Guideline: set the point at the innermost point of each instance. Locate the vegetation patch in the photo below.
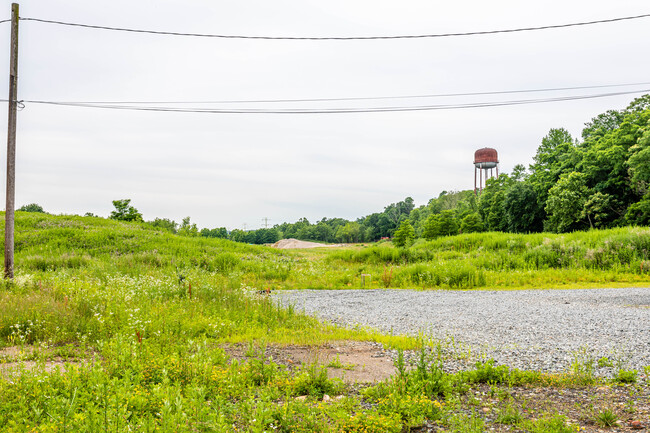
(117, 326)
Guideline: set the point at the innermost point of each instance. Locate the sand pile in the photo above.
(286, 244)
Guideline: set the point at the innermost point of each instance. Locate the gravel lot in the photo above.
(531, 329)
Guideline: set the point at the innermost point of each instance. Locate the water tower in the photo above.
(485, 160)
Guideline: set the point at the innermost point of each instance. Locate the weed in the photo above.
(626, 376)
(550, 424)
(605, 362)
(387, 276)
(487, 372)
(606, 418)
(400, 365)
(582, 367)
(509, 415)
(313, 381)
(462, 423)
(630, 406)
(336, 363)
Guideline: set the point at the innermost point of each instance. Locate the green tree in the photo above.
(237, 235)
(602, 124)
(267, 236)
(496, 219)
(491, 202)
(471, 223)
(431, 229)
(521, 209)
(32, 207)
(220, 233)
(164, 224)
(555, 156)
(404, 235)
(519, 173)
(393, 215)
(596, 209)
(614, 163)
(125, 212)
(188, 229)
(348, 233)
(639, 163)
(303, 229)
(566, 201)
(447, 225)
(639, 212)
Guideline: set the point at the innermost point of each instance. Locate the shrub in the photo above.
(626, 376)
(313, 381)
(32, 207)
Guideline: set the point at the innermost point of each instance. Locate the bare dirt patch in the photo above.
(351, 361)
(14, 359)
(289, 244)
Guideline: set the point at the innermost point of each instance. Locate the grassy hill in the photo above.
(137, 319)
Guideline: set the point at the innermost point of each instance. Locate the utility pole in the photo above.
(11, 146)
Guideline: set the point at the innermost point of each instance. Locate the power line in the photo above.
(334, 110)
(331, 38)
(363, 98)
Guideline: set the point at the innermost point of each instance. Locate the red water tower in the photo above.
(485, 160)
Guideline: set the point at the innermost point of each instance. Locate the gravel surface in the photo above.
(543, 330)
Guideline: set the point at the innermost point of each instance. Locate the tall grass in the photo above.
(501, 260)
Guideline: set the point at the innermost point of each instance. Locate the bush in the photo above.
(405, 235)
(626, 376)
(313, 381)
(32, 207)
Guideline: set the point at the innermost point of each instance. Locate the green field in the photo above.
(112, 326)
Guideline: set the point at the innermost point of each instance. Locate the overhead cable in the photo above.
(331, 110)
(335, 38)
(365, 98)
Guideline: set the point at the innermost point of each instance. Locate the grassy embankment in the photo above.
(599, 258)
(142, 316)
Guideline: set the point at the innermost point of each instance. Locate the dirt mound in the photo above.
(286, 244)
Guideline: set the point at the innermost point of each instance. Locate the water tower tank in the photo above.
(486, 158)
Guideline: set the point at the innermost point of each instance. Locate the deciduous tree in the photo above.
(32, 207)
(566, 202)
(125, 212)
(404, 235)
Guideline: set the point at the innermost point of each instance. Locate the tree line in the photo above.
(599, 181)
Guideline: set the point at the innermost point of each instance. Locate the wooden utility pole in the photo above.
(11, 146)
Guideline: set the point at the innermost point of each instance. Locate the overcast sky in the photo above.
(236, 169)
